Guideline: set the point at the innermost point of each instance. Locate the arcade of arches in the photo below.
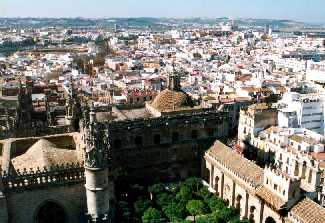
(247, 188)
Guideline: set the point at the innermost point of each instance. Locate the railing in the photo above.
(70, 173)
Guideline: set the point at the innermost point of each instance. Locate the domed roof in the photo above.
(168, 100)
(44, 154)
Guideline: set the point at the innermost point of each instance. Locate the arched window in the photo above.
(304, 168)
(156, 139)
(216, 185)
(251, 214)
(270, 220)
(175, 137)
(138, 141)
(238, 200)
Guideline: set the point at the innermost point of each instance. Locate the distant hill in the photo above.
(144, 22)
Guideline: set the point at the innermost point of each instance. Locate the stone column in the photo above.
(96, 172)
(211, 177)
(3, 208)
(233, 194)
(222, 184)
(246, 205)
(262, 212)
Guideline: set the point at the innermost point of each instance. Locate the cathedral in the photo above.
(68, 177)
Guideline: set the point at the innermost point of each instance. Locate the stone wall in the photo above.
(23, 206)
(169, 150)
(3, 209)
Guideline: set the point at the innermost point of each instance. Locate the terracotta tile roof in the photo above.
(44, 154)
(270, 198)
(308, 211)
(236, 163)
(171, 100)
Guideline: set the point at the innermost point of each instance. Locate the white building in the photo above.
(315, 71)
(302, 111)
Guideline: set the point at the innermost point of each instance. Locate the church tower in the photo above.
(73, 109)
(25, 107)
(96, 171)
(173, 81)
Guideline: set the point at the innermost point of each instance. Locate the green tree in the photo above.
(210, 218)
(228, 214)
(195, 184)
(184, 194)
(140, 206)
(152, 215)
(174, 211)
(174, 187)
(125, 210)
(204, 193)
(216, 204)
(237, 220)
(164, 199)
(156, 189)
(195, 207)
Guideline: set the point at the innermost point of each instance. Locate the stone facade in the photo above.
(24, 206)
(23, 192)
(260, 195)
(71, 174)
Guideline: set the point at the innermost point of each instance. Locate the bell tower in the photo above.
(173, 81)
(25, 107)
(73, 108)
(96, 171)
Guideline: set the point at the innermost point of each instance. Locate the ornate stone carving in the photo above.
(97, 146)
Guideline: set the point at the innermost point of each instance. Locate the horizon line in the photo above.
(160, 17)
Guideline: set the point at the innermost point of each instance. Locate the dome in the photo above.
(171, 100)
(44, 154)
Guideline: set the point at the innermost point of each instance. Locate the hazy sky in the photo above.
(303, 10)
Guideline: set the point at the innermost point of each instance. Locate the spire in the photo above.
(96, 170)
(173, 81)
(72, 89)
(97, 145)
(20, 89)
